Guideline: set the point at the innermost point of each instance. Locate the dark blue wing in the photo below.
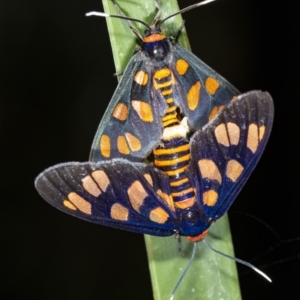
(116, 193)
(225, 153)
(131, 126)
(193, 75)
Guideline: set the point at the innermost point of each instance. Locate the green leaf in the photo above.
(211, 276)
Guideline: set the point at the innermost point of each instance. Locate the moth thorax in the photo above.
(157, 48)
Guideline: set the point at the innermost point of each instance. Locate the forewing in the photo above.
(115, 193)
(131, 126)
(225, 153)
(200, 92)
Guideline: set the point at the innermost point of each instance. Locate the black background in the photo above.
(56, 80)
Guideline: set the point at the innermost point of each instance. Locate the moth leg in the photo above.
(118, 74)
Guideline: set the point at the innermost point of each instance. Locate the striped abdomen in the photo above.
(173, 158)
(173, 155)
(163, 81)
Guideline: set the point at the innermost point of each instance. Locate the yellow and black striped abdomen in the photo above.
(173, 159)
(163, 81)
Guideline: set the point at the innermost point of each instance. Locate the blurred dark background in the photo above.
(56, 81)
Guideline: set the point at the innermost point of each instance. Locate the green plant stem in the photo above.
(210, 276)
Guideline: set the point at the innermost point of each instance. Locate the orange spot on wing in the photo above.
(119, 212)
(209, 170)
(105, 145)
(234, 133)
(221, 135)
(262, 130)
(121, 112)
(234, 170)
(181, 66)
(90, 186)
(211, 85)
(141, 78)
(133, 142)
(252, 138)
(122, 145)
(80, 203)
(193, 96)
(167, 198)
(213, 113)
(101, 179)
(143, 109)
(210, 197)
(69, 205)
(148, 178)
(158, 215)
(137, 194)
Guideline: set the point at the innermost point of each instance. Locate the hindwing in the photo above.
(225, 153)
(115, 193)
(136, 196)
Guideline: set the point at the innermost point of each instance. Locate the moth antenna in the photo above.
(238, 260)
(184, 271)
(158, 15)
(186, 9)
(118, 9)
(105, 15)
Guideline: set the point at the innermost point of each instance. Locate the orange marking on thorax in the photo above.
(154, 38)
